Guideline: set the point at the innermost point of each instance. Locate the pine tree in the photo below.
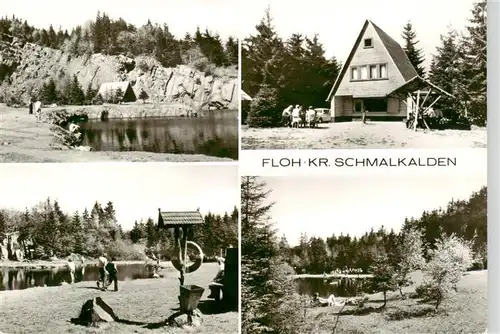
(231, 52)
(267, 287)
(264, 108)
(258, 247)
(77, 96)
(49, 93)
(474, 64)
(414, 54)
(447, 74)
(118, 96)
(263, 57)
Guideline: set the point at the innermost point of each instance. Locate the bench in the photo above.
(215, 291)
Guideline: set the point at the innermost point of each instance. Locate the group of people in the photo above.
(107, 271)
(298, 117)
(36, 108)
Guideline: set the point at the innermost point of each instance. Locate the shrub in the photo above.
(264, 109)
(449, 261)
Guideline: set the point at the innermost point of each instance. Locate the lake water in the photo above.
(340, 288)
(19, 279)
(214, 134)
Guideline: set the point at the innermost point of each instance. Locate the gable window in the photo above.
(364, 72)
(383, 71)
(368, 43)
(354, 73)
(369, 72)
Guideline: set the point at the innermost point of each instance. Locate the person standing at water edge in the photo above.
(103, 261)
(72, 269)
(112, 274)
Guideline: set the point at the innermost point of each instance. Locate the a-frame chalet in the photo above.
(379, 79)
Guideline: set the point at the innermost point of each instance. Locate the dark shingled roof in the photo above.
(179, 218)
(397, 54)
(395, 51)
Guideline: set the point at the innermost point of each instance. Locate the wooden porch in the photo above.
(422, 95)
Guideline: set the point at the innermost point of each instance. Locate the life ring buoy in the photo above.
(197, 262)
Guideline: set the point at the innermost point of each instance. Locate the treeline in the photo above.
(218, 232)
(466, 219)
(441, 243)
(278, 73)
(45, 230)
(114, 37)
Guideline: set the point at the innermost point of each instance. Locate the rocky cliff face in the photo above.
(32, 65)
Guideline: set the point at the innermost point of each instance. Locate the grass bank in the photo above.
(22, 139)
(142, 304)
(355, 135)
(466, 312)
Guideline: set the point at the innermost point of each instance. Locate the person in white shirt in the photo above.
(103, 261)
(311, 117)
(286, 116)
(72, 269)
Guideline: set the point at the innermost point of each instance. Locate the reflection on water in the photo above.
(18, 279)
(214, 134)
(340, 288)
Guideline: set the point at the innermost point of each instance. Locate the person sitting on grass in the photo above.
(330, 301)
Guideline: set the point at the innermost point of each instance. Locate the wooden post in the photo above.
(426, 96)
(184, 242)
(417, 107)
(178, 244)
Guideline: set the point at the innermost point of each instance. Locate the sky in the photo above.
(338, 23)
(322, 206)
(137, 190)
(181, 15)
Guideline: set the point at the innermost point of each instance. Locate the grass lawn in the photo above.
(352, 135)
(142, 304)
(22, 139)
(466, 312)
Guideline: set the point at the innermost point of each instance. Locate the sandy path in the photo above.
(24, 140)
(355, 135)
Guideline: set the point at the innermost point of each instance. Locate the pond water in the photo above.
(19, 279)
(214, 134)
(340, 288)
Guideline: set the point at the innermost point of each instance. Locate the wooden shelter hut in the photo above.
(109, 92)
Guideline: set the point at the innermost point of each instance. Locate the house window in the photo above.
(370, 105)
(375, 104)
(364, 72)
(358, 105)
(383, 71)
(368, 43)
(354, 73)
(369, 72)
